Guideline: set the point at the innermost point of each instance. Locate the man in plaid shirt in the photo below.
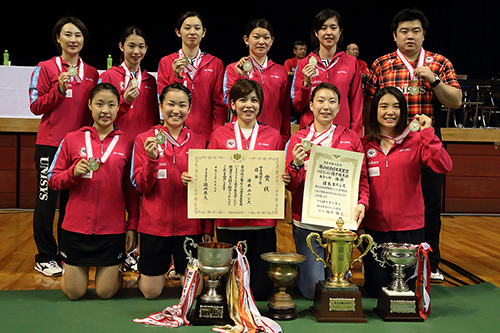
(428, 81)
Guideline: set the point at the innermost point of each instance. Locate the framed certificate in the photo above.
(331, 187)
(236, 184)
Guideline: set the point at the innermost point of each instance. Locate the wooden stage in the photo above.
(471, 242)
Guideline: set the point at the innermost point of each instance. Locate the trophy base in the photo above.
(210, 313)
(337, 305)
(282, 313)
(398, 306)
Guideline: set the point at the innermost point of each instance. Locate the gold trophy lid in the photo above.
(339, 232)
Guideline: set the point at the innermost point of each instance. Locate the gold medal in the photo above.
(414, 89)
(313, 61)
(72, 71)
(186, 62)
(306, 144)
(414, 126)
(247, 66)
(160, 138)
(94, 164)
(134, 82)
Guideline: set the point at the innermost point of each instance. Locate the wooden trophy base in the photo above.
(398, 306)
(210, 313)
(337, 305)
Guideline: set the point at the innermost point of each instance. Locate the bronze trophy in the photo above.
(397, 302)
(215, 260)
(337, 299)
(283, 272)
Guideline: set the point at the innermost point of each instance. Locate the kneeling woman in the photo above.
(394, 157)
(246, 98)
(323, 131)
(94, 163)
(159, 161)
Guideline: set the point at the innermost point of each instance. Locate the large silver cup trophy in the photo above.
(215, 261)
(396, 301)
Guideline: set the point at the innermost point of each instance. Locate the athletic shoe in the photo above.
(131, 262)
(50, 268)
(437, 276)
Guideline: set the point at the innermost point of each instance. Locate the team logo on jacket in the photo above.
(429, 59)
(83, 152)
(122, 85)
(371, 153)
(230, 143)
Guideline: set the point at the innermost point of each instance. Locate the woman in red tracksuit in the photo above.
(200, 72)
(61, 98)
(273, 78)
(138, 102)
(159, 168)
(94, 163)
(394, 161)
(246, 133)
(329, 64)
(323, 131)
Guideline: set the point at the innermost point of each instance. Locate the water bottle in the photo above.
(110, 62)
(6, 58)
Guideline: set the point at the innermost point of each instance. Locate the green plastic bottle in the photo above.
(6, 58)
(110, 62)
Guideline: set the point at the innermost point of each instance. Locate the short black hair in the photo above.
(409, 14)
(298, 43)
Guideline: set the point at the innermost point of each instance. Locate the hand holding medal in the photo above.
(63, 82)
(423, 122)
(81, 168)
(151, 147)
(243, 66)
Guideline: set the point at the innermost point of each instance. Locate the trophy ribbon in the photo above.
(409, 128)
(107, 153)
(191, 68)
(242, 307)
(78, 77)
(423, 250)
(177, 315)
(129, 76)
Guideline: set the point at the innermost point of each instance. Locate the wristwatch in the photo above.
(436, 82)
(295, 167)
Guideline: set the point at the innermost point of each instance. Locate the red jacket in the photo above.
(267, 139)
(342, 139)
(164, 204)
(61, 114)
(96, 205)
(346, 76)
(276, 86)
(208, 110)
(396, 201)
(140, 115)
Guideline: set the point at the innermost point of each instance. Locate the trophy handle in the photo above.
(373, 250)
(309, 245)
(368, 247)
(193, 244)
(242, 244)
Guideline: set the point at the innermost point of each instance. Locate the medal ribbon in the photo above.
(78, 78)
(190, 69)
(253, 136)
(128, 76)
(320, 138)
(424, 268)
(177, 315)
(107, 153)
(256, 65)
(400, 137)
(420, 63)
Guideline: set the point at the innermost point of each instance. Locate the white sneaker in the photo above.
(50, 268)
(437, 276)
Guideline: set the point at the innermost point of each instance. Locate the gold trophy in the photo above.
(215, 261)
(282, 271)
(337, 299)
(397, 302)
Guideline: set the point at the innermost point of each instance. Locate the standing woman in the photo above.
(138, 102)
(59, 91)
(273, 78)
(159, 168)
(329, 64)
(395, 156)
(246, 133)
(200, 72)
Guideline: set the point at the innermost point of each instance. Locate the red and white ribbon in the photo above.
(128, 76)
(321, 137)
(253, 136)
(400, 137)
(423, 268)
(256, 65)
(79, 77)
(191, 68)
(407, 63)
(177, 315)
(107, 153)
